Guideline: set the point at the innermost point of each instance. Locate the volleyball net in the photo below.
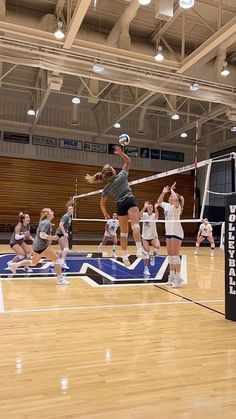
(204, 170)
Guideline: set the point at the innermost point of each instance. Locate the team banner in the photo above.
(132, 151)
(71, 144)
(230, 258)
(155, 154)
(44, 141)
(13, 137)
(172, 155)
(111, 148)
(144, 153)
(95, 147)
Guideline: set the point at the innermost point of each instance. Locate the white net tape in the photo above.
(208, 163)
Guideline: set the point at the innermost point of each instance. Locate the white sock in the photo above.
(172, 274)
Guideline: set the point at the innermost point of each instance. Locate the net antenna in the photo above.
(197, 140)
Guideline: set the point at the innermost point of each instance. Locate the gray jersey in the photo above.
(118, 188)
(43, 227)
(66, 220)
(23, 229)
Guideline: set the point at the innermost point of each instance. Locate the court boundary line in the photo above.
(100, 307)
(190, 300)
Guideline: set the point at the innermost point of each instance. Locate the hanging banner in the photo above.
(13, 137)
(44, 141)
(230, 258)
(155, 154)
(132, 151)
(172, 155)
(144, 153)
(71, 144)
(95, 147)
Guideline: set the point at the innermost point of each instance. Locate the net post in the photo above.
(230, 260)
(205, 189)
(233, 163)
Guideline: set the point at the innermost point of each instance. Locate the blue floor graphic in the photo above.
(96, 269)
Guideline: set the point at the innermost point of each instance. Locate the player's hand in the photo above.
(107, 217)
(27, 234)
(54, 238)
(156, 205)
(66, 235)
(173, 186)
(166, 189)
(146, 204)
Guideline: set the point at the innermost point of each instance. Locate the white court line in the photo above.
(47, 309)
(207, 267)
(2, 310)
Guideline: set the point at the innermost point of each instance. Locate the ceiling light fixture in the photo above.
(144, 2)
(159, 56)
(117, 125)
(59, 34)
(183, 134)
(186, 4)
(175, 116)
(194, 86)
(31, 111)
(97, 68)
(225, 71)
(76, 100)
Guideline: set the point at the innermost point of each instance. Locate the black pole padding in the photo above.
(233, 163)
(230, 258)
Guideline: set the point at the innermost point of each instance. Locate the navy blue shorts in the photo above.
(124, 206)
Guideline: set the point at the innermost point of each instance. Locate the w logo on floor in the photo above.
(98, 271)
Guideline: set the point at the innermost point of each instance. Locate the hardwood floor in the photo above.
(142, 352)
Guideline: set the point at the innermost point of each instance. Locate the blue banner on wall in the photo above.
(144, 153)
(111, 148)
(172, 155)
(44, 141)
(155, 154)
(13, 137)
(71, 144)
(95, 147)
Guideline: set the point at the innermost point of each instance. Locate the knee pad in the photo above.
(124, 235)
(170, 260)
(66, 249)
(21, 257)
(137, 226)
(176, 260)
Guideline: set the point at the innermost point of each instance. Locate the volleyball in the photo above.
(124, 139)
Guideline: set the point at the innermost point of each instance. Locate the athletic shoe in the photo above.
(152, 260)
(146, 272)
(114, 256)
(141, 253)
(27, 269)
(99, 249)
(171, 281)
(126, 261)
(64, 265)
(177, 283)
(62, 281)
(8, 264)
(13, 267)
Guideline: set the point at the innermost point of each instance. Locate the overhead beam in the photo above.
(127, 112)
(213, 42)
(214, 114)
(59, 7)
(167, 25)
(76, 21)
